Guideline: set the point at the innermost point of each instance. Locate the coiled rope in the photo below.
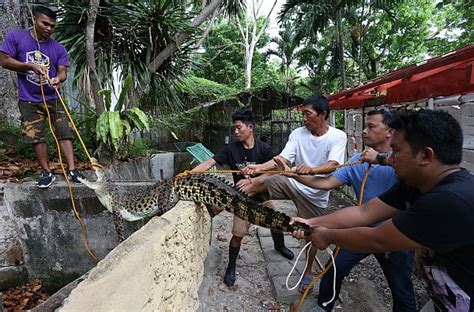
(333, 254)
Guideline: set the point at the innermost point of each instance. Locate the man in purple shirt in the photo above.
(34, 55)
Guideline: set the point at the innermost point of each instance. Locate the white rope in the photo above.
(329, 251)
(294, 266)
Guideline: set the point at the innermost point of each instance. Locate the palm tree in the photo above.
(287, 50)
(12, 15)
(315, 16)
(138, 37)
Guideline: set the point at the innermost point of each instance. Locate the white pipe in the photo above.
(447, 101)
(466, 98)
(431, 103)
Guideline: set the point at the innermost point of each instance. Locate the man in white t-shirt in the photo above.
(316, 144)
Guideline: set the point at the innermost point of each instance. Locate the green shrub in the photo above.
(138, 147)
(12, 142)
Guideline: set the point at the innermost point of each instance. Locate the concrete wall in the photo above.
(143, 169)
(464, 114)
(50, 236)
(159, 268)
(12, 269)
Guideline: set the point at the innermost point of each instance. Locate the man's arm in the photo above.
(303, 175)
(204, 165)
(269, 165)
(369, 213)
(321, 183)
(370, 156)
(61, 76)
(8, 62)
(385, 237)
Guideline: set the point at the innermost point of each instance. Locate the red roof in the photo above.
(446, 75)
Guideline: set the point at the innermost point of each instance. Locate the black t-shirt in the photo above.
(442, 220)
(235, 154)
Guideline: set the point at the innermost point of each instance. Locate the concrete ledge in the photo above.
(159, 268)
(46, 235)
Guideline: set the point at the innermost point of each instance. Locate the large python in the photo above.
(207, 189)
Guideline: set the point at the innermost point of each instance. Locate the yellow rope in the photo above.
(76, 213)
(91, 160)
(58, 147)
(336, 251)
(317, 170)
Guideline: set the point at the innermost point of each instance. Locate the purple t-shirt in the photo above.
(20, 45)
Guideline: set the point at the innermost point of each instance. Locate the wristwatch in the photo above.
(381, 158)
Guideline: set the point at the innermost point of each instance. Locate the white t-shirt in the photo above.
(304, 148)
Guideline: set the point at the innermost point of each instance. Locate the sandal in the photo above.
(305, 283)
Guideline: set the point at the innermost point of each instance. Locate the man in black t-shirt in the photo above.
(246, 150)
(431, 209)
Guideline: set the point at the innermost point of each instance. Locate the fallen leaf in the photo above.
(220, 238)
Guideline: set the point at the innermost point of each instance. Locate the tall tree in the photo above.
(316, 16)
(151, 39)
(251, 31)
(287, 49)
(378, 36)
(93, 90)
(12, 15)
(222, 59)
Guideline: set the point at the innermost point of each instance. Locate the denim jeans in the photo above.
(397, 267)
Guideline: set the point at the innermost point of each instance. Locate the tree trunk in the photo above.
(93, 93)
(251, 38)
(11, 16)
(182, 37)
(340, 47)
(248, 70)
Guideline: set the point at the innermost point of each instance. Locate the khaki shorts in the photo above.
(280, 187)
(240, 228)
(34, 119)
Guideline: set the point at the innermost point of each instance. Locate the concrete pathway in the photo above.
(278, 267)
(357, 295)
(262, 272)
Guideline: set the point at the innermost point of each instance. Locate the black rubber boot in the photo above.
(279, 244)
(229, 277)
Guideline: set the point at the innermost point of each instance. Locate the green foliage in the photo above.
(193, 90)
(12, 143)
(15, 146)
(85, 124)
(114, 127)
(139, 147)
(128, 35)
(339, 120)
(378, 36)
(180, 123)
(223, 59)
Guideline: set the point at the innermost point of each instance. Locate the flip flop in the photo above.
(305, 283)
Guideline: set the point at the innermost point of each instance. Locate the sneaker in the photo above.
(74, 175)
(47, 178)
